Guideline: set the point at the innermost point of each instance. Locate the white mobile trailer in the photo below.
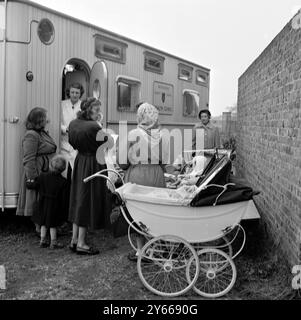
(42, 51)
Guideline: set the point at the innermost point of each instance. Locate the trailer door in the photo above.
(98, 87)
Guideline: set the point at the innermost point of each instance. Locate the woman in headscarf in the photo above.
(147, 151)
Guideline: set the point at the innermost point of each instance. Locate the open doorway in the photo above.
(75, 70)
(94, 81)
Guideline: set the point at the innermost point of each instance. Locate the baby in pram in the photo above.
(186, 173)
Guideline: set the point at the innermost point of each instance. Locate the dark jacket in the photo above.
(38, 147)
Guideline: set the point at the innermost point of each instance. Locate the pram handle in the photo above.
(219, 186)
(100, 175)
(200, 150)
(96, 175)
(102, 171)
(114, 171)
(228, 152)
(91, 177)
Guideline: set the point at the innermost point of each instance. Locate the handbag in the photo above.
(32, 184)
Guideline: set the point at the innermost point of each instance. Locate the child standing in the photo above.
(53, 201)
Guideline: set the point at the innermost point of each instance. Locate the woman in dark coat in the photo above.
(38, 147)
(87, 200)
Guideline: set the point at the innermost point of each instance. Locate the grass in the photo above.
(35, 273)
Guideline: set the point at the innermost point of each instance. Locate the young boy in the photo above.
(53, 201)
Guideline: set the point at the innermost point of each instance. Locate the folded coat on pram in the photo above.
(234, 193)
(230, 189)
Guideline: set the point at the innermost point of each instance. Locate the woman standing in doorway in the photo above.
(69, 109)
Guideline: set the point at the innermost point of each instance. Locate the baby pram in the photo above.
(188, 243)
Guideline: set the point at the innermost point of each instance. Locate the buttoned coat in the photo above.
(210, 134)
(38, 147)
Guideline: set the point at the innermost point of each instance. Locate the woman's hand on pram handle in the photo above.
(110, 186)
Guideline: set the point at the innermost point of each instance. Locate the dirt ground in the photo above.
(36, 273)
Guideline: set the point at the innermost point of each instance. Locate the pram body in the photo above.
(169, 216)
(183, 243)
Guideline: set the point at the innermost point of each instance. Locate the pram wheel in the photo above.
(217, 273)
(168, 265)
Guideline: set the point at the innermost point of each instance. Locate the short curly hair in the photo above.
(86, 108)
(36, 119)
(205, 111)
(58, 164)
(75, 85)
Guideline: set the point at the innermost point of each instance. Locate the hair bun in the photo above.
(85, 104)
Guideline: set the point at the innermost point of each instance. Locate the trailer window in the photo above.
(185, 72)
(153, 62)
(191, 100)
(110, 49)
(201, 78)
(96, 89)
(46, 31)
(128, 94)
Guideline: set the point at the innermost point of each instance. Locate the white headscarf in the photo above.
(150, 133)
(148, 121)
(147, 116)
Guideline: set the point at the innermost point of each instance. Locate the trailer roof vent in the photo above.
(153, 62)
(202, 78)
(185, 72)
(110, 49)
(46, 31)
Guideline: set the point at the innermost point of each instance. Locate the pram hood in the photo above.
(216, 175)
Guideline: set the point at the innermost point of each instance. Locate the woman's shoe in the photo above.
(37, 234)
(83, 251)
(56, 245)
(44, 244)
(72, 247)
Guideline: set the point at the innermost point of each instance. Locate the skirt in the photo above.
(88, 201)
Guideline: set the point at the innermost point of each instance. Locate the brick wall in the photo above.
(228, 130)
(227, 125)
(269, 137)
